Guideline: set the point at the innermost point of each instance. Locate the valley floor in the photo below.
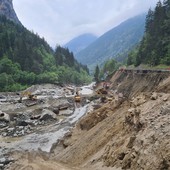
(129, 130)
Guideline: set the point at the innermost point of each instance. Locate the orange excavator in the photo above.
(77, 97)
(29, 96)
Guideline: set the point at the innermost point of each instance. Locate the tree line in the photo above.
(27, 59)
(154, 48)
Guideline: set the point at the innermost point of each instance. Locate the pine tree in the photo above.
(96, 74)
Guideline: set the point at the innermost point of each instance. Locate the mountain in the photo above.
(81, 42)
(6, 9)
(27, 59)
(114, 42)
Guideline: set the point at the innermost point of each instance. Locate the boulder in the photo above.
(47, 115)
(22, 123)
(4, 117)
(154, 96)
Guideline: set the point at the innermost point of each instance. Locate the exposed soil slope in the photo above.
(130, 132)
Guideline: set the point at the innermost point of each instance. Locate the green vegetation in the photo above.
(115, 43)
(27, 59)
(154, 48)
(107, 69)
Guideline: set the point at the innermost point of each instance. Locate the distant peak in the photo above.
(6, 9)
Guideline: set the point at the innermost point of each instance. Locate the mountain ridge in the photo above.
(116, 41)
(6, 9)
(80, 42)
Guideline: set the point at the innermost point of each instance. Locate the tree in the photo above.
(96, 74)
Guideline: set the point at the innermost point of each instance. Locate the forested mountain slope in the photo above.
(116, 41)
(27, 59)
(154, 48)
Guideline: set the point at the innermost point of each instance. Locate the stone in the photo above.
(4, 117)
(130, 142)
(154, 96)
(47, 115)
(1, 165)
(22, 123)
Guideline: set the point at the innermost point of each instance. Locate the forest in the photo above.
(154, 48)
(27, 59)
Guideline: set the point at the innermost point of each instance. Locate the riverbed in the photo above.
(42, 135)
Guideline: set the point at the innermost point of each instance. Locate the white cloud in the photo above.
(58, 21)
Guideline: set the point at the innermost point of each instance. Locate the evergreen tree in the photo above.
(96, 74)
(155, 46)
(26, 59)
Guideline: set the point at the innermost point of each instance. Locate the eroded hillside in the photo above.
(128, 132)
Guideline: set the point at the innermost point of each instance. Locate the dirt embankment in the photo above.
(129, 132)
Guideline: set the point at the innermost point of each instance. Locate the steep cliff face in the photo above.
(6, 9)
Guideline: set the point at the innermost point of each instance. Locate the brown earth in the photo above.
(127, 132)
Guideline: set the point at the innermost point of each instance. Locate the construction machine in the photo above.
(77, 97)
(27, 94)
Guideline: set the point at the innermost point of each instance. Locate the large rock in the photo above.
(47, 115)
(6, 8)
(4, 117)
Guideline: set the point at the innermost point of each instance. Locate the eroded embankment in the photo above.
(132, 83)
(129, 132)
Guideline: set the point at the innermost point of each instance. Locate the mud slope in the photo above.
(129, 132)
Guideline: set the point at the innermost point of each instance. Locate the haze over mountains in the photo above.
(81, 42)
(115, 42)
(90, 50)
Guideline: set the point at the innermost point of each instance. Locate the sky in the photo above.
(59, 21)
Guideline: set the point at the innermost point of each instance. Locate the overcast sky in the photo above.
(59, 21)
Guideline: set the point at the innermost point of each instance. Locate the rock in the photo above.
(4, 117)
(56, 110)
(3, 124)
(121, 156)
(10, 129)
(22, 123)
(154, 96)
(131, 110)
(4, 134)
(130, 142)
(126, 164)
(1, 165)
(35, 117)
(15, 135)
(47, 115)
(165, 110)
(5, 161)
(165, 99)
(138, 101)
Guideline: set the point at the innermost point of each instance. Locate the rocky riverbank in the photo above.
(38, 124)
(125, 128)
(130, 131)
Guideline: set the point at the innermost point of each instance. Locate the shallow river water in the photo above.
(47, 135)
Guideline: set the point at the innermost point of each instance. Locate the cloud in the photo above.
(58, 21)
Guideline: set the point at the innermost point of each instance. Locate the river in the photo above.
(45, 136)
